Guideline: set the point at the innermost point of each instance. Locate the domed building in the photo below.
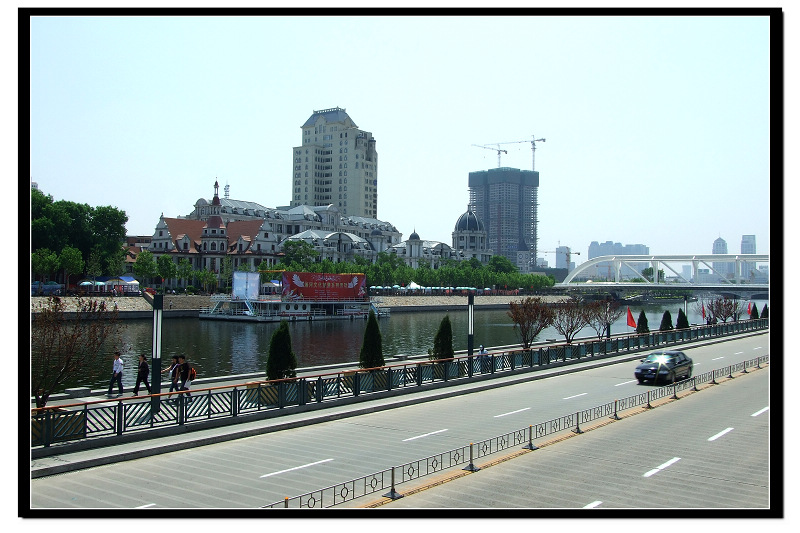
(470, 238)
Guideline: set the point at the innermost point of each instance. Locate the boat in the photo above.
(303, 296)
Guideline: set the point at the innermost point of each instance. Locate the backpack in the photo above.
(192, 373)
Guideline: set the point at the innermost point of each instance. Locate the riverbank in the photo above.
(181, 302)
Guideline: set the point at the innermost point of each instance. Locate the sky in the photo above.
(657, 128)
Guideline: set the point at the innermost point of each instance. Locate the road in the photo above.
(262, 469)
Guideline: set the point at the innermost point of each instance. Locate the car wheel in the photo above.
(640, 381)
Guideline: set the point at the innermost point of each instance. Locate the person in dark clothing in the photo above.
(184, 376)
(142, 376)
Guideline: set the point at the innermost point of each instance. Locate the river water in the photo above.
(219, 348)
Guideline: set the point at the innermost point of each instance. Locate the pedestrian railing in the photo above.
(107, 418)
(522, 438)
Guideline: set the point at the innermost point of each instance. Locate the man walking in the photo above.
(142, 376)
(184, 373)
(116, 375)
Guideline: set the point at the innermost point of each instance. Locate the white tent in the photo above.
(413, 286)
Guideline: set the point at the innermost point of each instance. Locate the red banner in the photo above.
(332, 287)
(631, 321)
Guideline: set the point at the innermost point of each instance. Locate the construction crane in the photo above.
(568, 253)
(533, 148)
(498, 150)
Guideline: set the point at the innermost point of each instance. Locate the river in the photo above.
(223, 348)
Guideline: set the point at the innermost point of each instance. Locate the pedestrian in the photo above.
(483, 357)
(116, 375)
(184, 375)
(142, 376)
(173, 375)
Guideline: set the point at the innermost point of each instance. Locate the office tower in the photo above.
(336, 164)
(505, 199)
(748, 244)
(723, 269)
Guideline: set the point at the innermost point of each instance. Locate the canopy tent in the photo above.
(122, 280)
(414, 286)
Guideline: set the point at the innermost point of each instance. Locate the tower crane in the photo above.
(498, 150)
(568, 253)
(533, 142)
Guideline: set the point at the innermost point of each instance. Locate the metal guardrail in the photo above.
(523, 438)
(108, 418)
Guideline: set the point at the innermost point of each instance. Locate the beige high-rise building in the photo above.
(336, 164)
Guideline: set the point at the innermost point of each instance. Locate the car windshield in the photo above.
(661, 358)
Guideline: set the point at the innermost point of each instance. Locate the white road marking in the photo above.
(625, 382)
(738, 353)
(512, 412)
(757, 348)
(592, 505)
(145, 506)
(761, 411)
(425, 435)
(570, 397)
(662, 467)
(716, 358)
(718, 435)
(297, 467)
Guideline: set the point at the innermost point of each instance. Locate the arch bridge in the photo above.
(736, 275)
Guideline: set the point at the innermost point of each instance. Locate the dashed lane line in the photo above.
(297, 467)
(718, 435)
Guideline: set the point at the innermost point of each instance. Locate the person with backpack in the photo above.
(142, 376)
(187, 374)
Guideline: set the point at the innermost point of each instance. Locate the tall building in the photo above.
(605, 270)
(749, 270)
(335, 155)
(506, 200)
(723, 269)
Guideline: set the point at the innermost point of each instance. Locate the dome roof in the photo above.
(469, 221)
(376, 231)
(414, 237)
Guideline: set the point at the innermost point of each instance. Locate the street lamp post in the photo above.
(470, 331)
(158, 310)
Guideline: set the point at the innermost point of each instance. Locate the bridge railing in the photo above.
(244, 401)
(522, 438)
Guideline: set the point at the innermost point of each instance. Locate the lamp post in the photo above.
(470, 331)
(158, 310)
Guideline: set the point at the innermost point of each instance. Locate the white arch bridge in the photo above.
(736, 274)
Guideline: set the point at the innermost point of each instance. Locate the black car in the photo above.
(667, 366)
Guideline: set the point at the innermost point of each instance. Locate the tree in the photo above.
(765, 312)
(300, 253)
(115, 262)
(184, 270)
(43, 263)
(683, 321)
(443, 341)
(501, 264)
(648, 274)
(145, 266)
(71, 262)
(207, 279)
(94, 267)
(601, 315)
(754, 313)
(226, 271)
(281, 361)
(371, 355)
(641, 324)
(165, 267)
(666, 322)
(570, 317)
(61, 348)
(108, 230)
(530, 316)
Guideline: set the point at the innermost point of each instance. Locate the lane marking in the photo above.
(716, 358)
(570, 397)
(625, 382)
(738, 353)
(145, 506)
(592, 505)
(761, 411)
(425, 435)
(512, 412)
(718, 435)
(662, 467)
(757, 348)
(297, 467)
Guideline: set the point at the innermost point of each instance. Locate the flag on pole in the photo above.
(631, 321)
(704, 311)
(748, 307)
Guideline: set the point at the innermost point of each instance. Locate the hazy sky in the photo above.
(657, 128)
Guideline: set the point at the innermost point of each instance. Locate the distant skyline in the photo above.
(657, 128)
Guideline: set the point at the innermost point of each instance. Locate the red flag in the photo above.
(704, 311)
(631, 321)
(748, 307)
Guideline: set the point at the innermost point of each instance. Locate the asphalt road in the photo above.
(258, 470)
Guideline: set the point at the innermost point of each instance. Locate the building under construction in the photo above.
(506, 200)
